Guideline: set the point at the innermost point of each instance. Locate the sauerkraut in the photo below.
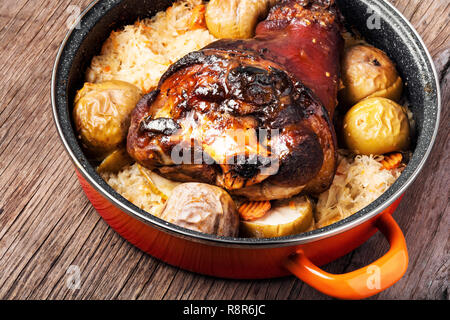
(142, 52)
(133, 186)
(358, 181)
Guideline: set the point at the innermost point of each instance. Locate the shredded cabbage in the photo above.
(142, 52)
(357, 183)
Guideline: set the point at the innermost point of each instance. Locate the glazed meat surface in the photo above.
(251, 116)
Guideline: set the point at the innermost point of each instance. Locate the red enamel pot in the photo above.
(244, 258)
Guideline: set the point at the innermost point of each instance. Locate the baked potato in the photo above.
(102, 115)
(235, 19)
(202, 207)
(376, 126)
(368, 72)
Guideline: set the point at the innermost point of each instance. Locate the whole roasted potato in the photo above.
(102, 115)
(368, 72)
(376, 126)
(202, 207)
(235, 19)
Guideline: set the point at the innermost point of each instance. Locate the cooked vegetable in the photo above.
(252, 210)
(102, 115)
(376, 126)
(368, 72)
(159, 185)
(134, 186)
(197, 20)
(328, 222)
(286, 217)
(392, 161)
(115, 161)
(204, 208)
(235, 19)
(358, 182)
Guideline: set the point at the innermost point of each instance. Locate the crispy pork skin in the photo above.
(251, 116)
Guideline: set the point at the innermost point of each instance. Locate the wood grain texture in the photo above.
(47, 224)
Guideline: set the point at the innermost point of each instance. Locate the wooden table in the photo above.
(48, 225)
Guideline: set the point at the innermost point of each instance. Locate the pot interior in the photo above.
(376, 20)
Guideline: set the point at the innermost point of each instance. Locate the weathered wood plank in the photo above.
(48, 225)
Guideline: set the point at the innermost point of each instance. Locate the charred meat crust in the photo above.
(246, 85)
(277, 99)
(190, 173)
(322, 12)
(303, 162)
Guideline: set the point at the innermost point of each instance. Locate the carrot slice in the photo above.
(252, 210)
(198, 18)
(392, 161)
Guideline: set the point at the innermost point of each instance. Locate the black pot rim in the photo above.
(373, 209)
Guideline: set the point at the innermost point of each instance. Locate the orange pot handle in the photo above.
(364, 282)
